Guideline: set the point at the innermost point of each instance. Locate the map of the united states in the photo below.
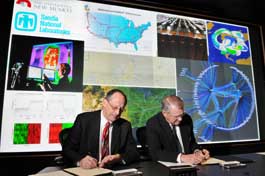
(115, 28)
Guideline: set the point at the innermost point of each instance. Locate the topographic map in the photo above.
(129, 70)
(142, 104)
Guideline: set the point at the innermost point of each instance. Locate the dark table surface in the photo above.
(255, 165)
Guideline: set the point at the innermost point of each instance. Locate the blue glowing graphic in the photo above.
(232, 42)
(223, 103)
(116, 29)
(228, 43)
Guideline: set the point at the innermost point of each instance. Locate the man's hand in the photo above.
(206, 154)
(197, 157)
(88, 162)
(191, 158)
(110, 159)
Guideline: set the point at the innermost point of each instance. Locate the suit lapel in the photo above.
(167, 129)
(116, 132)
(184, 137)
(95, 128)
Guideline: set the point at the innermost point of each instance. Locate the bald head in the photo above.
(113, 104)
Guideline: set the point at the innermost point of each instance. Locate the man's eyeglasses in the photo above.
(120, 109)
(177, 116)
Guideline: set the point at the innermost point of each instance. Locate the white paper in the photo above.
(117, 172)
(173, 164)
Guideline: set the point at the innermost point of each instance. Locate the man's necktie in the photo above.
(176, 137)
(105, 141)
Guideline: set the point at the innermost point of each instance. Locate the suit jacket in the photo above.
(160, 139)
(84, 139)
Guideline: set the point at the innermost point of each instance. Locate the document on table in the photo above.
(126, 172)
(84, 172)
(261, 153)
(53, 173)
(212, 160)
(173, 164)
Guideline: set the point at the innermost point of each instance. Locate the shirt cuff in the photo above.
(179, 158)
(123, 162)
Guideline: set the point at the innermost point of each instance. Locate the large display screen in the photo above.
(147, 54)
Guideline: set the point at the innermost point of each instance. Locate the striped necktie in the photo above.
(105, 141)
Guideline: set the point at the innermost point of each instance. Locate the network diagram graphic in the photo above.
(221, 104)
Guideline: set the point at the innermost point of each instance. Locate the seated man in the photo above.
(102, 138)
(170, 134)
(63, 84)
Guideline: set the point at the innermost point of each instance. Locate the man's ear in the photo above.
(104, 102)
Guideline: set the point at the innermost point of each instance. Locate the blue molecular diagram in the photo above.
(224, 103)
(228, 43)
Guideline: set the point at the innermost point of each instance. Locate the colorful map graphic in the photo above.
(143, 103)
(116, 29)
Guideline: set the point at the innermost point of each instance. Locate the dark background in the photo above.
(244, 12)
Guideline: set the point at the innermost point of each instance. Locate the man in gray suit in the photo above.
(170, 134)
(84, 146)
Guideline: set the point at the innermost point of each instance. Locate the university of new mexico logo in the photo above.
(27, 2)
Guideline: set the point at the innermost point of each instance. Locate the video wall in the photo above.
(65, 55)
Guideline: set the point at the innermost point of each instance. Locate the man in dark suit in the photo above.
(170, 134)
(84, 146)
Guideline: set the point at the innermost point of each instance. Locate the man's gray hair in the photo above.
(169, 100)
